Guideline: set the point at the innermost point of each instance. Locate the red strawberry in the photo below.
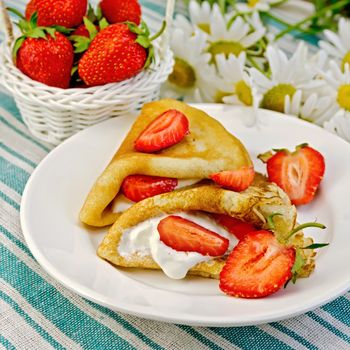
(82, 31)
(138, 187)
(186, 236)
(166, 130)
(43, 54)
(117, 11)
(117, 53)
(298, 173)
(236, 180)
(235, 226)
(257, 266)
(68, 13)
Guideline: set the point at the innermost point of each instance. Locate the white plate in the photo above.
(66, 249)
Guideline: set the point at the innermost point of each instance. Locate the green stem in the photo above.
(157, 35)
(306, 225)
(254, 64)
(319, 13)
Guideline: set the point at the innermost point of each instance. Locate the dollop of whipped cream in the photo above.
(122, 203)
(143, 240)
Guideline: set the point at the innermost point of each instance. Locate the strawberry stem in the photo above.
(270, 222)
(306, 225)
(160, 32)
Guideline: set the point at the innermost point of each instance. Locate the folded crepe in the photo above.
(209, 148)
(253, 205)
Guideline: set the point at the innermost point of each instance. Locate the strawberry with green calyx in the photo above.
(43, 53)
(262, 263)
(67, 13)
(117, 53)
(298, 173)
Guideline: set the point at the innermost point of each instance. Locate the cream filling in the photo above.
(121, 203)
(143, 240)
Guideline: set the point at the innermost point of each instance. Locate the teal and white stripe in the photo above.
(36, 312)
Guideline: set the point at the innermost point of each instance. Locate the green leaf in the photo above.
(33, 22)
(103, 24)
(150, 57)
(62, 29)
(143, 41)
(37, 33)
(24, 26)
(17, 46)
(99, 13)
(51, 31)
(145, 29)
(299, 261)
(74, 70)
(15, 11)
(91, 14)
(91, 28)
(81, 43)
(134, 28)
(316, 245)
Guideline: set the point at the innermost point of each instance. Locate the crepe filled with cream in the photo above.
(253, 205)
(208, 148)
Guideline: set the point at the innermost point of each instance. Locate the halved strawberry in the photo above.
(298, 173)
(166, 130)
(235, 226)
(186, 236)
(139, 187)
(236, 180)
(257, 266)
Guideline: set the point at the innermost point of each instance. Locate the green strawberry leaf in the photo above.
(51, 31)
(99, 13)
(91, 14)
(103, 23)
(150, 57)
(81, 43)
(62, 29)
(15, 11)
(145, 29)
(143, 41)
(91, 28)
(134, 28)
(316, 245)
(17, 46)
(33, 22)
(38, 33)
(74, 70)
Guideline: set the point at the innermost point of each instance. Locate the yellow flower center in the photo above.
(343, 97)
(219, 96)
(244, 93)
(345, 60)
(183, 74)
(274, 98)
(225, 47)
(252, 3)
(205, 27)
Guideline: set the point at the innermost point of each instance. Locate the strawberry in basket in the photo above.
(117, 53)
(68, 13)
(43, 53)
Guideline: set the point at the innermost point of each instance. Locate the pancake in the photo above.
(208, 149)
(253, 205)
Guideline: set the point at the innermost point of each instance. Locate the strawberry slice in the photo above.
(236, 180)
(298, 173)
(139, 187)
(258, 266)
(166, 130)
(235, 226)
(186, 236)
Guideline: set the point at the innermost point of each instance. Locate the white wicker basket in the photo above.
(54, 114)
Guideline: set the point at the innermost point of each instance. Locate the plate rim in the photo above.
(156, 315)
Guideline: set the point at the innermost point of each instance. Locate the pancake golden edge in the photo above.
(253, 205)
(198, 156)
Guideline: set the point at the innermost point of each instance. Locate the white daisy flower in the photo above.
(191, 68)
(338, 44)
(238, 37)
(256, 5)
(339, 82)
(291, 80)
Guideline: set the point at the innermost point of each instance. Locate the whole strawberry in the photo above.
(43, 54)
(117, 53)
(67, 13)
(117, 11)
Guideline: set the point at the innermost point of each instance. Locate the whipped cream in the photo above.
(143, 240)
(121, 203)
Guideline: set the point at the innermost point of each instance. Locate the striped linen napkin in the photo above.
(36, 312)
